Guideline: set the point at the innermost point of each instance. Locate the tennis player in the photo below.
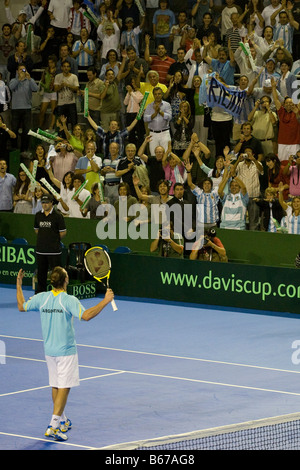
(57, 309)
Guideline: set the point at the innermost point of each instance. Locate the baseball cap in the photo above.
(46, 198)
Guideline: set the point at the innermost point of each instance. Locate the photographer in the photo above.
(62, 158)
(209, 248)
(168, 244)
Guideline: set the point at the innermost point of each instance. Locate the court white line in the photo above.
(21, 436)
(170, 377)
(169, 356)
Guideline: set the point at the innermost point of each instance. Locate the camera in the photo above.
(211, 233)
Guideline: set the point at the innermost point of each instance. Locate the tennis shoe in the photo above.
(65, 425)
(55, 434)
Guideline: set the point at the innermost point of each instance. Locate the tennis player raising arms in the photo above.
(57, 309)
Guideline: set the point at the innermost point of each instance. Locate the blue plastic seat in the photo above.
(20, 241)
(122, 249)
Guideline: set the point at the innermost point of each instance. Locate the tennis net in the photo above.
(276, 433)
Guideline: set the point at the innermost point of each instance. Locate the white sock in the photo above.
(63, 417)
(55, 421)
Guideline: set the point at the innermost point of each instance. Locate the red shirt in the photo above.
(289, 127)
(161, 66)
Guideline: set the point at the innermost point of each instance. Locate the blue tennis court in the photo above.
(148, 370)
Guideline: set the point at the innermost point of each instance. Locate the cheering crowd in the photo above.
(155, 102)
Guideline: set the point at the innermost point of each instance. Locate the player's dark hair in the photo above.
(58, 277)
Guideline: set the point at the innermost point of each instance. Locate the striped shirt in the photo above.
(207, 205)
(57, 311)
(234, 211)
(291, 222)
(84, 59)
(286, 33)
(250, 177)
(161, 66)
(131, 38)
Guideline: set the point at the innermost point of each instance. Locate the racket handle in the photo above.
(114, 306)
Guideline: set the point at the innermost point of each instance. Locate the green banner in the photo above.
(224, 284)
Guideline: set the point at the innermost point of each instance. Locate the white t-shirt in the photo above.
(60, 10)
(66, 95)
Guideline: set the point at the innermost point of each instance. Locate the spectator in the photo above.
(152, 81)
(66, 85)
(168, 243)
(77, 201)
(158, 115)
(284, 27)
(292, 171)
(291, 221)
(62, 159)
(271, 211)
(209, 248)
(94, 202)
(49, 95)
(22, 197)
(131, 36)
(222, 65)
(110, 96)
(248, 170)
(5, 135)
(154, 164)
(177, 32)
(108, 171)
(75, 138)
(22, 88)
(7, 184)
(277, 173)
(109, 34)
(234, 203)
(19, 57)
(65, 189)
(128, 165)
(163, 21)
(64, 54)
(135, 66)
(49, 46)
(286, 85)
(111, 63)
(207, 200)
(264, 125)
(174, 169)
(124, 202)
(59, 13)
(94, 86)
(132, 102)
(160, 62)
(184, 124)
(84, 50)
(7, 46)
(113, 134)
(89, 166)
(248, 140)
(289, 125)
(77, 20)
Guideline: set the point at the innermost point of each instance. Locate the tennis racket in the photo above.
(98, 265)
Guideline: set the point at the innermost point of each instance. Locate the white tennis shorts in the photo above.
(63, 371)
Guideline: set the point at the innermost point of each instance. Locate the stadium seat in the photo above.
(20, 241)
(3, 240)
(122, 249)
(75, 261)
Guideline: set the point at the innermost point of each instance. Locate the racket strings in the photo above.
(97, 263)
